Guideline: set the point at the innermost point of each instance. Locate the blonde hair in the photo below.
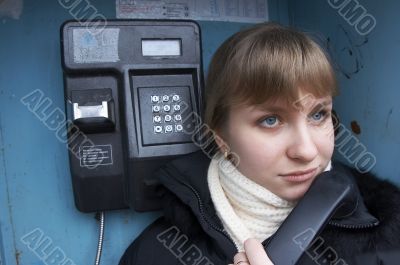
(265, 62)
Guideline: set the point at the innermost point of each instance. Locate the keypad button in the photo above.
(168, 128)
(167, 107)
(155, 99)
(158, 129)
(156, 108)
(178, 117)
(167, 118)
(157, 118)
(177, 108)
(165, 98)
(179, 127)
(175, 98)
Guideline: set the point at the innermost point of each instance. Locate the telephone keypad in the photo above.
(166, 110)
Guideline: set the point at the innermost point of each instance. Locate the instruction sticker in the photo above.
(92, 47)
(95, 155)
(248, 11)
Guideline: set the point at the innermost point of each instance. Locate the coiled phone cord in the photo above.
(100, 215)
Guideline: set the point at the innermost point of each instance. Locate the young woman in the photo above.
(268, 109)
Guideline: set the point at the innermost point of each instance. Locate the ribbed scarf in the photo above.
(246, 209)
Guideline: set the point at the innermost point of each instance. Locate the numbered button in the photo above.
(156, 108)
(155, 99)
(167, 107)
(179, 127)
(168, 128)
(158, 129)
(157, 118)
(177, 108)
(175, 98)
(165, 98)
(178, 117)
(167, 118)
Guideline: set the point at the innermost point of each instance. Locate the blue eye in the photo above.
(270, 121)
(319, 116)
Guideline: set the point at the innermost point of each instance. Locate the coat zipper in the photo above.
(363, 226)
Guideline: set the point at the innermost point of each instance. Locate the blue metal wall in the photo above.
(367, 65)
(36, 202)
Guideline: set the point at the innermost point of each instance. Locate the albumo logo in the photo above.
(355, 14)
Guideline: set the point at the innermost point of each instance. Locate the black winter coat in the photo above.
(190, 232)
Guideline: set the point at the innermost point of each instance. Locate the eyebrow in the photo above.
(323, 103)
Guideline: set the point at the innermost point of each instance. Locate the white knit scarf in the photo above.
(246, 209)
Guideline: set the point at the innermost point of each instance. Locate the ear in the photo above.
(220, 142)
(218, 138)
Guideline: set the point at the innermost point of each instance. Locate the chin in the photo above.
(295, 194)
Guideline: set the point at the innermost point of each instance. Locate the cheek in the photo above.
(255, 150)
(325, 140)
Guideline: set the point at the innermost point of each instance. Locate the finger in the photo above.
(240, 259)
(256, 253)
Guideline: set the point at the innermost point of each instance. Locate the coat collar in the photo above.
(360, 217)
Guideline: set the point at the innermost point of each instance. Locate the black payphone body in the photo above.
(133, 92)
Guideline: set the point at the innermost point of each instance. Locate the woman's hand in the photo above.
(254, 254)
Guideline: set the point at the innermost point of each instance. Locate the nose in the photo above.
(302, 146)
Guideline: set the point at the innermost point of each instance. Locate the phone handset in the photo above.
(332, 194)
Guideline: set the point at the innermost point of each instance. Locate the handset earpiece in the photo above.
(332, 194)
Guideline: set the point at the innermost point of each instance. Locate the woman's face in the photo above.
(281, 146)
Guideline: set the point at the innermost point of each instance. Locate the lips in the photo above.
(299, 176)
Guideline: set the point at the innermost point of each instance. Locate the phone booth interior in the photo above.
(102, 93)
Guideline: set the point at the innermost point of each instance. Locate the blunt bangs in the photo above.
(278, 65)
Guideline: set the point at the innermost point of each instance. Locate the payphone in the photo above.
(132, 90)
